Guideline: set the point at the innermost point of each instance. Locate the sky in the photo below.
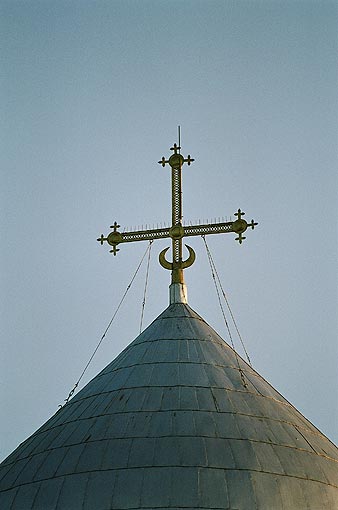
(92, 93)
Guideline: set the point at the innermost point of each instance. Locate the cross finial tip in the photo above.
(175, 148)
(163, 161)
(253, 224)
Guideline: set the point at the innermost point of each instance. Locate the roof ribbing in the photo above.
(169, 425)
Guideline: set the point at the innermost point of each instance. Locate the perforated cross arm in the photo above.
(208, 228)
(145, 235)
(238, 226)
(116, 237)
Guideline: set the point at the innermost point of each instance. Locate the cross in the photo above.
(177, 230)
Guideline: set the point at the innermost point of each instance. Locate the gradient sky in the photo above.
(91, 96)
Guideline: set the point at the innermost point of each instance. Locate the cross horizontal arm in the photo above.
(209, 228)
(116, 237)
(176, 232)
(238, 226)
(145, 235)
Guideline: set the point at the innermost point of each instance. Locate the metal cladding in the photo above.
(170, 425)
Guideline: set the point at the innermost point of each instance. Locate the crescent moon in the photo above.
(184, 264)
(190, 260)
(163, 261)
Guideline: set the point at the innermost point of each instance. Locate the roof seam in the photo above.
(251, 470)
(260, 417)
(177, 436)
(170, 339)
(179, 410)
(286, 403)
(177, 363)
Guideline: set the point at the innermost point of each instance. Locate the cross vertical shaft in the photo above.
(176, 231)
(176, 190)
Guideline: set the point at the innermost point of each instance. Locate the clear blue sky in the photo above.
(91, 96)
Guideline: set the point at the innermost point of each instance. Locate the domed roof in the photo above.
(169, 424)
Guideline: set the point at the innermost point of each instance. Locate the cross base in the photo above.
(178, 293)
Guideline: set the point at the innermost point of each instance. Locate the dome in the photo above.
(177, 420)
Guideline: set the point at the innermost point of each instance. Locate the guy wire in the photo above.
(223, 313)
(71, 393)
(145, 285)
(227, 302)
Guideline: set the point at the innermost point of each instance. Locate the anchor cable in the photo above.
(145, 285)
(228, 305)
(214, 275)
(71, 393)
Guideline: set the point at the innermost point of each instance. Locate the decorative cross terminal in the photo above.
(177, 230)
(176, 159)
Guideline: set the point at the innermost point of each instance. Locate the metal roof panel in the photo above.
(184, 483)
(70, 460)
(116, 454)
(73, 492)
(212, 489)
(25, 496)
(48, 494)
(99, 491)
(156, 489)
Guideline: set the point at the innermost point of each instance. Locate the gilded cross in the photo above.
(177, 230)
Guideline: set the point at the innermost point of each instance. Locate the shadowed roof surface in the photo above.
(169, 425)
